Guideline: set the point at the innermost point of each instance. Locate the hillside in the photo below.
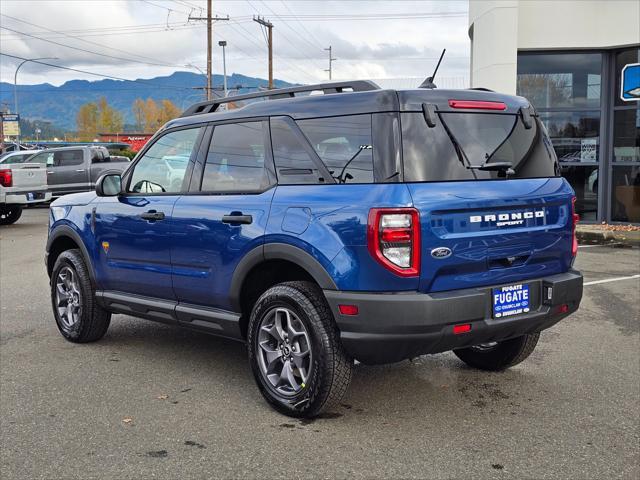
(59, 105)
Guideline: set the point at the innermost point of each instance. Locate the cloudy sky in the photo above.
(146, 38)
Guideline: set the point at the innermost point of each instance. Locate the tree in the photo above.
(87, 121)
(151, 115)
(168, 111)
(138, 109)
(109, 119)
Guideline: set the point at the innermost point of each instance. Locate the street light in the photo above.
(223, 43)
(15, 84)
(191, 65)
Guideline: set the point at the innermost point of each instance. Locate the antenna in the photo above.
(428, 83)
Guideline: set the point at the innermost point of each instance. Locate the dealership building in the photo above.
(578, 62)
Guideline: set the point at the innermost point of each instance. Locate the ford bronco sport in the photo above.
(329, 223)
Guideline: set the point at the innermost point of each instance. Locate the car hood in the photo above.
(74, 199)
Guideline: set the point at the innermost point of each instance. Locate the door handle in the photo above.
(237, 219)
(80, 170)
(50, 172)
(152, 215)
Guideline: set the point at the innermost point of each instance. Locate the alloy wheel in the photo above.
(68, 297)
(284, 351)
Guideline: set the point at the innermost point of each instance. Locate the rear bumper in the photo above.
(27, 198)
(391, 327)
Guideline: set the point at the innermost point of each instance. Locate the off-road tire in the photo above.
(93, 320)
(10, 214)
(504, 355)
(331, 370)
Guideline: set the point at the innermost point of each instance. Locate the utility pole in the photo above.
(331, 60)
(269, 26)
(210, 19)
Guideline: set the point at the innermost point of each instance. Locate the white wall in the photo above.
(494, 53)
(498, 29)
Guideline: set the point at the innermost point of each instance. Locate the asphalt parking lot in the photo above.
(152, 401)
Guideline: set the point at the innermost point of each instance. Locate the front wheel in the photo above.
(295, 352)
(79, 318)
(497, 356)
(10, 214)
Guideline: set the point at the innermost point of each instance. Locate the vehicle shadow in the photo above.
(439, 383)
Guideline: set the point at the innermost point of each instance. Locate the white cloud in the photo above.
(364, 48)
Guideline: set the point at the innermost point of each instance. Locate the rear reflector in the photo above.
(564, 308)
(575, 218)
(477, 105)
(348, 309)
(463, 328)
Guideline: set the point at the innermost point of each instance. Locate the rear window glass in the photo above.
(430, 154)
(344, 145)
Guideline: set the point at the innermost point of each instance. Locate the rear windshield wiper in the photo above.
(504, 169)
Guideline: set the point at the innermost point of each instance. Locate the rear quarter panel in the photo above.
(330, 223)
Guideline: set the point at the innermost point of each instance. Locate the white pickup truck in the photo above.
(20, 185)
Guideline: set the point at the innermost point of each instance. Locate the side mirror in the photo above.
(109, 185)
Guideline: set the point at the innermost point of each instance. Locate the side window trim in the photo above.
(128, 173)
(304, 141)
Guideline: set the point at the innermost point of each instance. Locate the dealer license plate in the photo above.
(510, 300)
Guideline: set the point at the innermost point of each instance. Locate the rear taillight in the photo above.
(575, 218)
(6, 178)
(393, 238)
(477, 105)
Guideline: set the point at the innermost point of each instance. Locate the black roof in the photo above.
(337, 99)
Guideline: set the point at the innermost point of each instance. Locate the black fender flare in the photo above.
(277, 251)
(66, 231)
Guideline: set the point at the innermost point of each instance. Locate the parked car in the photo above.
(365, 224)
(17, 157)
(21, 185)
(76, 169)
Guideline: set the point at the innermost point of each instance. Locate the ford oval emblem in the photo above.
(441, 252)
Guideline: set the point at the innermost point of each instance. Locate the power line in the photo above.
(156, 62)
(300, 23)
(174, 87)
(130, 60)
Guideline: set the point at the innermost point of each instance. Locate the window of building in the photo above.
(236, 158)
(566, 90)
(555, 80)
(344, 145)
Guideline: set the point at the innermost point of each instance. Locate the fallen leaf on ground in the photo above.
(127, 420)
(163, 397)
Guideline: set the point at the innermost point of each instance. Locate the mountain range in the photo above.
(59, 105)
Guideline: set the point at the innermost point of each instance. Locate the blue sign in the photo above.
(630, 88)
(511, 300)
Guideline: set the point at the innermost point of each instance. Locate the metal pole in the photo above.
(15, 86)
(270, 29)
(331, 60)
(223, 44)
(209, 41)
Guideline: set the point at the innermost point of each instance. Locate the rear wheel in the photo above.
(497, 356)
(79, 318)
(10, 214)
(295, 351)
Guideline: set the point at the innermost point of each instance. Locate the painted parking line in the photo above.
(617, 279)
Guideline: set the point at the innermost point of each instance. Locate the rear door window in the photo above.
(460, 141)
(236, 161)
(294, 164)
(68, 158)
(344, 145)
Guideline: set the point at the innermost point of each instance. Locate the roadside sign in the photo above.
(10, 124)
(630, 83)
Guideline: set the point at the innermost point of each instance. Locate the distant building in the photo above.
(135, 140)
(579, 64)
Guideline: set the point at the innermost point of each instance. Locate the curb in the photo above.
(607, 237)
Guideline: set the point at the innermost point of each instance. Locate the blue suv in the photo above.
(328, 223)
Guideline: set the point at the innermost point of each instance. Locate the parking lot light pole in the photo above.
(15, 85)
(223, 43)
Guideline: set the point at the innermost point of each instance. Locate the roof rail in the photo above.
(211, 106)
